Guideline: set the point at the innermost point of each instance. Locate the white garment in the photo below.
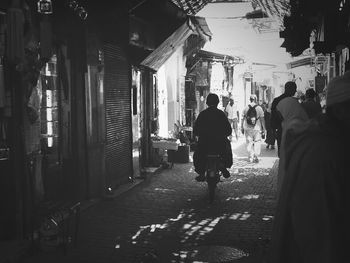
(231, 111)
(253, 142)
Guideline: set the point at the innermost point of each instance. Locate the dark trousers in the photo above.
(279, 139)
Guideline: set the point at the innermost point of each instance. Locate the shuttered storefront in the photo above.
(118, 116)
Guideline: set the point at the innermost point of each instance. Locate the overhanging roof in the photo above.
(277, 9)
(207, 55)
(193, 26)
(308, 61)
(191, 7)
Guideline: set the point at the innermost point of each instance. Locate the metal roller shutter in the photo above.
(118, 116)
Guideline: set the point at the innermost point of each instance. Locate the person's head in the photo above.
(310, 94)
(212, 100)
(252, 98)
(231, 102)
(290, 88)
(338, 99)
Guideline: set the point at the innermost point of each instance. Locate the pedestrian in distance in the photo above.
(290, 89)
(253, 127)
(310, 105)
(311, 222)
(212, 129)
(232, 114)
(270, 133)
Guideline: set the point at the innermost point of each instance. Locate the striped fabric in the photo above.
(338, 89)
(277, 9)
(191, 7)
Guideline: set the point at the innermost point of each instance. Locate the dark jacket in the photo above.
(276, 121)
(212, 128)
(212, 124)
(312, 108)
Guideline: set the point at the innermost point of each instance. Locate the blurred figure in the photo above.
(232, 116)
(212, 129)
(290, 89)
(301, 98)
(270, 133)
(310, 105)
(253, 125)
(294, 119)
(311, 222)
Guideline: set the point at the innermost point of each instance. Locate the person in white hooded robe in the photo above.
(311, 222)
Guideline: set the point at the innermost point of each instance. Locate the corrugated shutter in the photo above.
(118, 116)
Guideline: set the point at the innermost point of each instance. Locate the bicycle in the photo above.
(212, 174)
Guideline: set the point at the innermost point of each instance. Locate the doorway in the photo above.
(136, 105)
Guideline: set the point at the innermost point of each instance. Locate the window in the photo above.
(50, 109)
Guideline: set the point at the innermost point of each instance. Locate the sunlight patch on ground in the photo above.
(238, 180)
(164, 190)
(205, 254)
(267, 218)
(264, 162)
(191, 229)
(191, 232)
(191, 170)
(240, 216)
(245, 197)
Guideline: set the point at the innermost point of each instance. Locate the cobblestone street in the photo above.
(167, 218)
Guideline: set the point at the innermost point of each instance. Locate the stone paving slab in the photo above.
(168, 214)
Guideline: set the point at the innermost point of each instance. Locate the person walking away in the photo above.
(233, 116)
(212, 129)
(270, 133)
(294, 119)
(311, 221)
(290, 89)
(253, 125)
(310, 105)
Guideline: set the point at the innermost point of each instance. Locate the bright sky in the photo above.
(237, 37)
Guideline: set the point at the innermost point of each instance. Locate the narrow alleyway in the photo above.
(168, 217)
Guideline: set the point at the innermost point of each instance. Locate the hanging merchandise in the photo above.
(80, 10)
(45, 7)
(4, 149)
(62, 71)
(14, 35)
(46, 37)
(345, 59)
(33, 106)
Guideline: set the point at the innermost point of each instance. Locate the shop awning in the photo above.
(309, 61)
(193, 26)
(211, 56)
(277, 9)
(191, 7)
